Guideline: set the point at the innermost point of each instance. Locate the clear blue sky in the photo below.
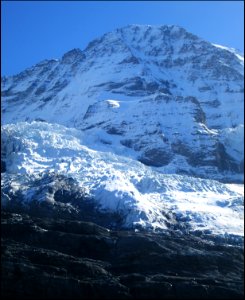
(36, 30)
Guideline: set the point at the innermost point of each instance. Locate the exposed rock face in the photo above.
(168, 86)
(156, 157)
(63, 198)
(46, 258)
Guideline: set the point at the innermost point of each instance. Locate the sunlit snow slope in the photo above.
(144, 198)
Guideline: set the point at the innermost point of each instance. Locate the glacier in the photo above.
(144, 197)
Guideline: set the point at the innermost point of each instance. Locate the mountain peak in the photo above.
(145, 27)
(136, 31)
(162, 31)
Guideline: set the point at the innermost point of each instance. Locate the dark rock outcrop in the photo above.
(43, 258)
(3, 166)
(156, 157)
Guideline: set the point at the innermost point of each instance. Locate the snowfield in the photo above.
(147, 198)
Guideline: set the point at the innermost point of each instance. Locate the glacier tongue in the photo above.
(145, 198)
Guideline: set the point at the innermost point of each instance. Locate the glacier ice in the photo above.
(146, 198)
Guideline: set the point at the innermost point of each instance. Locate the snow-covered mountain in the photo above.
(157, 94)
(127, 122)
